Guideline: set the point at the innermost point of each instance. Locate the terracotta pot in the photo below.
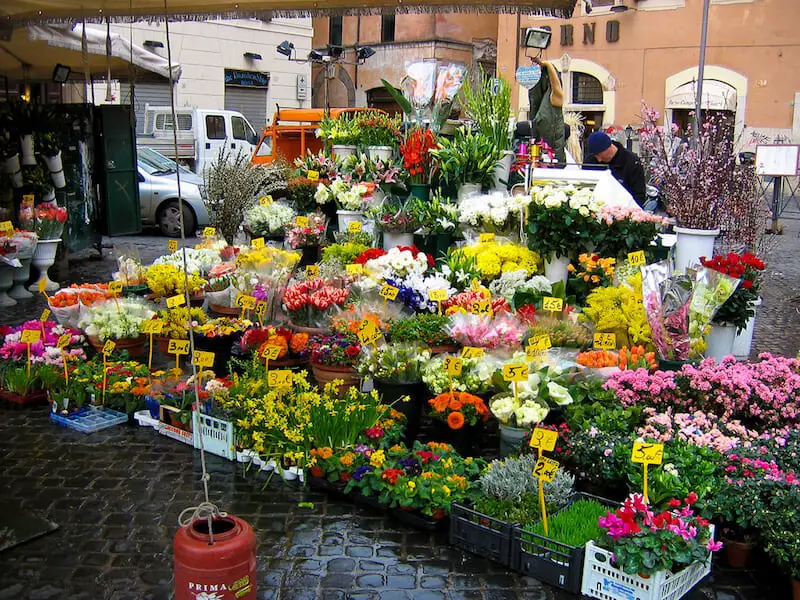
(309, 330)
(796, 589)
(197, 300)
(176, 422)
(288, 363)
(325, 374)
(28, 399)
(444, 349)
(225, 310)
(162, 343)
(134, 346)
(737, 553)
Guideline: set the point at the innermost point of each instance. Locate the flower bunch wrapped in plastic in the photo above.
(511, 282)
(504, 331)
(464, 302)
(739, 308)
(49, 221)
(46, 350)
(711, 290)
(398, 263)
(176, 322)
(116, 320)
(347, 196)
(497, 212)
(222, 327)
(304, 237)
(458, 409)
(200, 261)
(414, 291)
(397, 363)
(312, 302)
(476, 375)
(495, 258)
(619, 310)
(268, 220)
(168, 280)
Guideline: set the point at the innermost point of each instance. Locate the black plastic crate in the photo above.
(481, 534)
(546, 559)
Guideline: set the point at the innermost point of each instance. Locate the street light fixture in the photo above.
(286, 48)
(364, 52)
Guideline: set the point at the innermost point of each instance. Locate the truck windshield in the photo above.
(155, 163)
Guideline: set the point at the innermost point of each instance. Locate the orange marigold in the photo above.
(455, 420)
(298, 342)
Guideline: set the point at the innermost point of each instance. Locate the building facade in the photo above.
(466, 39)
(611, 61)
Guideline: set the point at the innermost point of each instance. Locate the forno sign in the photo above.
(589, 30)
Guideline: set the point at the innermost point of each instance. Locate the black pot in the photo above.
(435, 244)
(310, 255)
(673, 365)
(221, 346)
(465, 441)
(391, 393)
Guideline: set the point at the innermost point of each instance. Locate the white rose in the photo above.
(528, 415)
(503, 408)
(559, 394)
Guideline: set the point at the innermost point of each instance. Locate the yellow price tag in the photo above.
(543, 439)
(453, 365)
(437, 295)
(516, 372)
(534, 354)
(30, 336)
(28, 200)
(45, 315)
(246, 302)
(355, 227)
(476, 286)
(355, 269)
(108, 347)
(637, 259)
(172, 245)
(472, 352)
(257, 243)
(389, 292)
(301, 222)
(482, 308)
(312, 271)
(281, 378)
(605, 341)
(313, 175)
(271, 352)
(153, 326)
(42, 286)
(176, 301)
(7, 227)
(542, 342)
(178, 347)
(551, 304)
(265, 200)
(545, 469)
(261, 309)
(647, 454)
(204, 359)
(368, 332)
(209, 232)
(115, 287)
(64, 341)
(486, 238)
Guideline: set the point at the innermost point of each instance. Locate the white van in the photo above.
(202, 135)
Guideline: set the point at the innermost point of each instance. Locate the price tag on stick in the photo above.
(63, 342)
(647, 454)
(543, 439)
(545, 470)
(355, 227)
(637, 259)
(280, 379)
(172, 245)
(261, 309)
(30, 336)
(312, 175)
(178, 348)
(312, 271)
(472, 352)
(389, 292)
(552, 305)
(605, 341)
(368, 333)
(176, 301)
(453, 366)
(258, 243)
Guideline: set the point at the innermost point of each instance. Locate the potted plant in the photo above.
(466, 163)
(398, 220)
(24, 115)
(294, 351)
(311, 303)
(415, 150)
(781, 537)
(307, 238)
(218, 336)
(175, 325)
(427, 328)
(459, 417)
(438, 226)
(341, 134)
(737, 311)
(36, 182)
(269, 221)
(118, 320)
(351, 200)
(51, 153)
(379, 133)
(396, 370)
(334, 358)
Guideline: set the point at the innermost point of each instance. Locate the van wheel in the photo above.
(169, 220)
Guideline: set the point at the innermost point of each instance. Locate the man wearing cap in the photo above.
(625, 165)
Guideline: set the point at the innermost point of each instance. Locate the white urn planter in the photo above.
(557, 269)
(382, 153)
(55, 166)
(43, 259)
(719, 342)
(26, 145)
(12, 167)
(691, 244)
(503, 170)
(743, 342)
(392, 239)
(343, 150)
(6, 281)
(21, 276)
(346, 217)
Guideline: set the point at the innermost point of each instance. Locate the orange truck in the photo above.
(293, 132)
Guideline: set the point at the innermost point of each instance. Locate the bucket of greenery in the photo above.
(557, 557)
(427, 329)
(509, 495)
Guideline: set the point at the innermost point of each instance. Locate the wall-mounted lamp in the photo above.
(335, 51)
(286, 48)
(252, 56)
(61, 73)
(364, 52)
(152, 44)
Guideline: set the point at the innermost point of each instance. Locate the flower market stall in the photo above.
(531, 373)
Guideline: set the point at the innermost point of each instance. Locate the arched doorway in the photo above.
(339, 86)
(380, 98)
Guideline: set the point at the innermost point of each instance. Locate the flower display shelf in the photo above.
(480, 534)
(217, 435)
(604, 581)
(550, 561)
(176, 433)
(90, 419)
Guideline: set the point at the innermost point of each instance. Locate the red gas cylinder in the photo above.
(224, 570)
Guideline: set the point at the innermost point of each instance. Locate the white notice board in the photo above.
(777, 160)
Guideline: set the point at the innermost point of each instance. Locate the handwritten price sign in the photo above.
(108, 348)
(203, 359)
(543, 439)
(437, 295)
(45, 315)
(541, 342)
(453, 366)
(265, 200)
(30, 336)
(647, 454)
(312, 271)
(605, 341)
(176, 301)
(153, 326)
(389, 292)
(355, 227)
(301, 222)
(482, 308)
(552, 304)
(172, 245)
(516, 372)
(261, 309)
(472, 352)
(545, 469)
(209, 232)
(486, 238)
(178, 347)
(313, 175)
(258, 243)
(637, 258)
(271, 352)
(246, 302)
(280, 379)
(368, 333)
(115, 287)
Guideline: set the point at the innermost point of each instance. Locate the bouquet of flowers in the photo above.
(497, 212)
(414, 291)
(222, 327)
(48, 222)
(416, 152)
(176, 322)
(465, 302)
(592, 272)
(395, 215)
(484, 332)
(343, 253)
(312, 302)
(399, 363)
(458, 409)
(360, 168)
(398, 263)
(198, 260)
(347, 196)
(518, 411)
(739, 308)
(326, 166)
(46, 350)
(168, 280)
(305, 237)
(428, 329)
(117, 320)
(619, 310)
(476, 375)
(439, 216)
(492, 259)
(624, 229)
(545, 385)
(293, 345)
(269, 220)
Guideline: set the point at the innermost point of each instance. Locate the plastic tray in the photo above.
(90, 419)
(217, 435)
(144, 419)
(480, 534)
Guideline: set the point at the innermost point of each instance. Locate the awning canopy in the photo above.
(34, 51)
(22, 12)
(717, 95)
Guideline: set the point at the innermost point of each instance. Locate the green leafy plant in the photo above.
(563, 333)
(340, 131)
(439, 215)
(573, 526)
(377, 128)
(470, 157)
(429, 329)
(400, 363)
(17, 379)
(488, 105)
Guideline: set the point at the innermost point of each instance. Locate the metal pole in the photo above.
(698, 107)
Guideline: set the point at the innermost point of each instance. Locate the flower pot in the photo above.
(464, 441)
(737, 553)
(392, 239)
(26, 145)
(421, 191)
(382, 153)
(309, 256)
(6, 283)
(43, 259)
(443, 349)
(391, 392)
(556, 269)
(511, 439)
(242, 456)
(56, 169)
(503, 170)
(311, 331)
(162, 343)
(134, 346)
(228, 311)
(466, 190)
(12, 167)
(221, 346)
(343, 150)
(345, 217)
(691, 245)
(435, 244)
(719, 342)
(197, 300)
(325, 374)
(742, 344)
(21, 276)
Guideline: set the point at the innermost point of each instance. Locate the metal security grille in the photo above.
(154, 94)
(251, 102)
(586, 89)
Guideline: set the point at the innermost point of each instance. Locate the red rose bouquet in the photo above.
(740, 307)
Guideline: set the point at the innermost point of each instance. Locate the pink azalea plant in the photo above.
(698, 428)
(45, 351)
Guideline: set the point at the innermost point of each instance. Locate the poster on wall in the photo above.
(777, 160)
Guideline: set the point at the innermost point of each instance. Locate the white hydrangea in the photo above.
(397, 264)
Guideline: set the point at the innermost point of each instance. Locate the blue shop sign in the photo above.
(253, 79)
